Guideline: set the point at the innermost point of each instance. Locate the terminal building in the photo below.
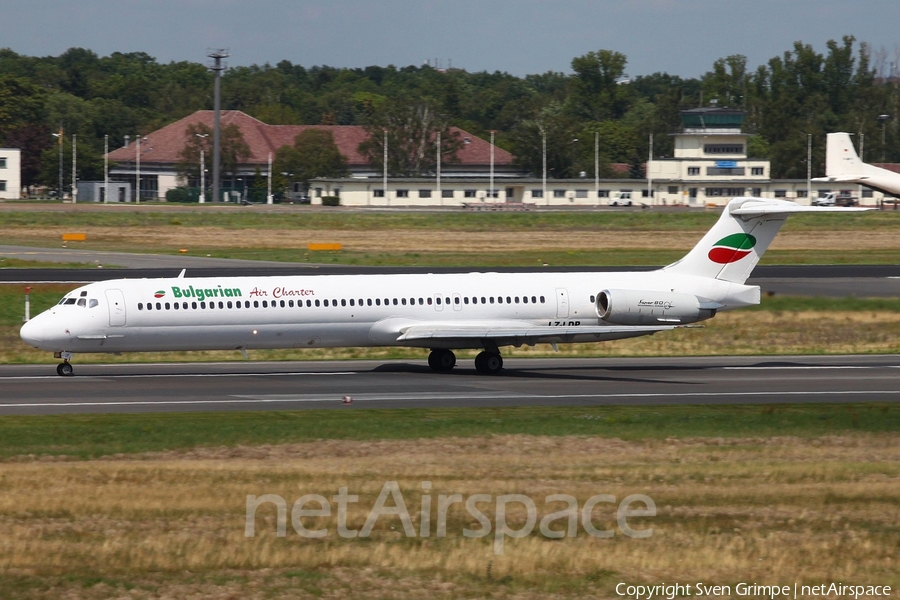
(711, 164)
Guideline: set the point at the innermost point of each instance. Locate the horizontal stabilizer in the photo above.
(764, 207)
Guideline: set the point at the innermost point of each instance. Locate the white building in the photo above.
(711, 164)
(10, 173)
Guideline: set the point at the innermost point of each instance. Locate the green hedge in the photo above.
(331, 201)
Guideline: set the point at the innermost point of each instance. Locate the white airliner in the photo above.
(843, 165)
(442, 312)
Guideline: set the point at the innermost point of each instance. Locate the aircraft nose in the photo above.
(31, 334)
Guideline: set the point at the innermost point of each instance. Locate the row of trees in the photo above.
(125, 94)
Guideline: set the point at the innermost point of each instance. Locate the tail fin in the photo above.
(841, 160)
(735, 244)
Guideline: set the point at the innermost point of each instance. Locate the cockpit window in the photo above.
(70, 301)
(92, 303)
(82, 302)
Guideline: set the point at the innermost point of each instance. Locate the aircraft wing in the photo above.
(526, 333)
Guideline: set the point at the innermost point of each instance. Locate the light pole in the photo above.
(544, 161)
(491, 189)
(649, 173)
(59, 136)
(439, 193)
(386, 197)
(883, 119)
(269, 198)
(106, 169)
(202, 137)
(74, 171)
(597, 166)
(217, 67)
(137, 172)
(809, 167)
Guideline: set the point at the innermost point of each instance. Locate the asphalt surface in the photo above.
(864, 281)
(36, 389)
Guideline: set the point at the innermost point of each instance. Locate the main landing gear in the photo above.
(488, 362)
(441, 360)
(65, 368)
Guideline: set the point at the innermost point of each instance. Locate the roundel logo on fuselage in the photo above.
(159, 294)
(732, 248)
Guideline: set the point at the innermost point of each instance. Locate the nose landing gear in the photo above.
(65, 368)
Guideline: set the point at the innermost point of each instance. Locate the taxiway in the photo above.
(136, 388)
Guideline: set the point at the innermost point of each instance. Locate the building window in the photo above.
(297, 189)
(801, 193)
(469, 193)
(724, 192)
(725, 171)
(693, 170)
(378, 193)
(647, 193)
(2, 185)
(559, 193)
(581, 193)
(2, 162)
(673, 189)
(403, 193)
(603, 193)
(867, 194)
(723, 149)
(318, 192)
(446, 193)
(757, 171)
(781, 193)
(493, 193)
(537, 193)
(424, 193)
(757, 192)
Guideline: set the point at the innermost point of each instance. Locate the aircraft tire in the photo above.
(489, 363)
(64, 369)
(441, 360)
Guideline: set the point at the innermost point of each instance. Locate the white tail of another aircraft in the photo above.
(843, 165)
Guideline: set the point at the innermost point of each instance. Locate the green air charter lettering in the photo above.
(202, 294)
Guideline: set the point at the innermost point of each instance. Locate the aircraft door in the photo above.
(115, 299)
(438, 302)
(562, 303)
(457, 302)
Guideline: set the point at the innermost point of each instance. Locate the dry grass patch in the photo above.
(771, 510)
(153, 237)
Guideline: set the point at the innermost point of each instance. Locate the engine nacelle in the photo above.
(638, 307)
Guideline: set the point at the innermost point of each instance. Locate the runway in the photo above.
(136, 388)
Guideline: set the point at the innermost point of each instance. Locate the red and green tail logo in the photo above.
(159, 294)
(732, 248)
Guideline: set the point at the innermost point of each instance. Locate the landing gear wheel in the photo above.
(441, 360)
(489, 363)
(64, 369)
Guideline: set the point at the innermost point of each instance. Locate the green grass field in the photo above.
(91, 436)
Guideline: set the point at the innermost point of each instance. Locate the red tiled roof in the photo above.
(164, 145)
(895, 167)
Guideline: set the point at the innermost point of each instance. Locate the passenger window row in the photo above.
(343, 302)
